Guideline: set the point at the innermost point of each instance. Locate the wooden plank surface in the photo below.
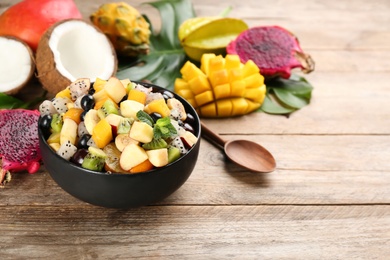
(329, 197)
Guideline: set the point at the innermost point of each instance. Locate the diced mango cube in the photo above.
(64, 93)
(237, 88)
(250, 68)
(222, 91)
(240, 106)
(185, 93)
(102, 133)
(204, 98)
(199, 84)
(219, 77)
(232, 61)
(137, 95)
(252, 106)
(190, 71)
(158, 106)
(180, 84)
(205, 62)
(208, 110)
(255, 93)
(235, 74)
(74, 113)
(216, 63)
(224, 107)
(99, 84)
(254, 81)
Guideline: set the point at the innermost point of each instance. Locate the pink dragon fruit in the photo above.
(19, 144)
(274, 50)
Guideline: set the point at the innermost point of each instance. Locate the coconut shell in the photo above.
(16, 90)
(47, 74)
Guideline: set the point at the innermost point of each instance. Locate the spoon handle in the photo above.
(211, 136)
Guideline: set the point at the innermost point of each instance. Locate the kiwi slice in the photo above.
(108, 107)
(56, 123)
(173, 154)
(124, 126)
(95, 159)
(155, 144)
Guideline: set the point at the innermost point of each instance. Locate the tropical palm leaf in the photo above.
(162, 65)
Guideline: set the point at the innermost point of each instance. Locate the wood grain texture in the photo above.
(328, 198)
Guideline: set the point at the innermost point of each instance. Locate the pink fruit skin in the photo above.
(29, 19)
(274, 50)
(19, 143)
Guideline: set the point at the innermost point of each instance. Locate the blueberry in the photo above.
(87, 102)
(45, 125)
(83, 141)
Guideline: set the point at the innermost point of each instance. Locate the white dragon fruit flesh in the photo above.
(60, 104)
(19, 143)
(67, 150)
(178, 143)
(47, 108)
(79, 88)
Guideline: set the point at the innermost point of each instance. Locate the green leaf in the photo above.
(9, 102)
(271, 106)
(144, 117)
(162, 65)
(284, 96)
(164, 128)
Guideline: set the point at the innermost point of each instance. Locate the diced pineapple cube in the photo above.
(129, 108)
(132, 156)
(158, 157)
(115, 89)
(141, 132)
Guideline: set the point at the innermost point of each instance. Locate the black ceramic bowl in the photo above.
(116, 190)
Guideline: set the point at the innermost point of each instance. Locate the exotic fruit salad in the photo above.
(117, 126)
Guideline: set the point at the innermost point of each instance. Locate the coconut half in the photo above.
(73, 49)
(16, 65)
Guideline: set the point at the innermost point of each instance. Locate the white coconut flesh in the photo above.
(80, 51)
(16, 64)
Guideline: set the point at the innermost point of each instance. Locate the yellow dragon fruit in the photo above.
(126, 28)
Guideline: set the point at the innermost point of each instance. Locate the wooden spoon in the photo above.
(249, 155)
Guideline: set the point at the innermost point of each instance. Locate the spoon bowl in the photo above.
(247, 154)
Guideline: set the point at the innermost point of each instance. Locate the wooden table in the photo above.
(329, 197)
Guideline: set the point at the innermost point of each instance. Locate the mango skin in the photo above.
(222, 86)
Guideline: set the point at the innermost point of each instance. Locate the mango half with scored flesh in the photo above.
(221, 87)
(201, 35)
